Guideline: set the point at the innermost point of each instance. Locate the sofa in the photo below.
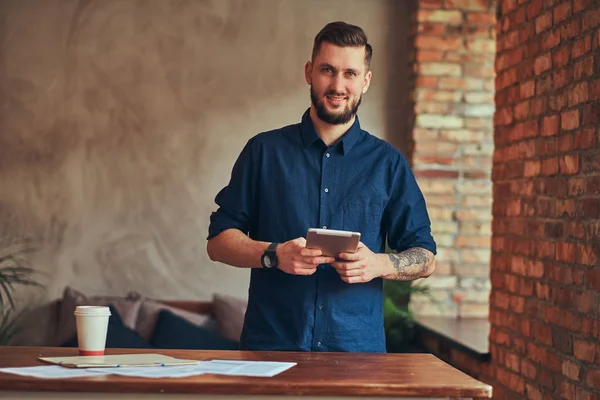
(137, 321)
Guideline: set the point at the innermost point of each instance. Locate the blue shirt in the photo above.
(286, 181)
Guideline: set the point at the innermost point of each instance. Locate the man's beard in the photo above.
(330, 118)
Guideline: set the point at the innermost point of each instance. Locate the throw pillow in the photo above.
(118, 334)
(128, 310)
(175, 332)
(230, 313)
(148, 316)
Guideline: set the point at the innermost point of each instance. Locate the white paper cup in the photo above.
(92, 326)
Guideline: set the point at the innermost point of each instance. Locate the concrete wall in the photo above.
(120, 121)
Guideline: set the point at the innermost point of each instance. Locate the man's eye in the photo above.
(326, 69)
(351, 73)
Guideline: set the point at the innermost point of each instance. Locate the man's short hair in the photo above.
(343, 35)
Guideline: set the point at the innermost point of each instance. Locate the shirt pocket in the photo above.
(363, 217)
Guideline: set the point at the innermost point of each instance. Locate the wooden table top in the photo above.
(325, 374)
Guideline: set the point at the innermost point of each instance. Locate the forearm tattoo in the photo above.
(410, 264)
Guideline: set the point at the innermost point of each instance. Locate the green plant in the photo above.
(14, 270)
(398, 318)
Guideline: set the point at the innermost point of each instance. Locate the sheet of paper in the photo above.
(153, 372)
(51, 371)
(218, 367)
(117, 360)
(251, 368)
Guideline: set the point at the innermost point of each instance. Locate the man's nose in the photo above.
(337, 85)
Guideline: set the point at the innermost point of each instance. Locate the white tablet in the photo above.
(332, 242)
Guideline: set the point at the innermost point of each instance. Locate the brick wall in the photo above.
(453, 146)
(546, 231)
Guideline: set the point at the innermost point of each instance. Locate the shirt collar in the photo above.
(310, 135)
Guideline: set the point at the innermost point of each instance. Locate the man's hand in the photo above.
(359, 267)
(294, 258)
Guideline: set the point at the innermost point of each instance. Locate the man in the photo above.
(325, 172)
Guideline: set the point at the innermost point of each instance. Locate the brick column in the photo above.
(546, 232)
(453, 146)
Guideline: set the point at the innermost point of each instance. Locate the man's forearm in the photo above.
(235, 248)
(408, 265)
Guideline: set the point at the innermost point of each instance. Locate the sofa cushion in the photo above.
(229, 312)
(128, 310)
(150, 309)
(118, 335)
(175, 332)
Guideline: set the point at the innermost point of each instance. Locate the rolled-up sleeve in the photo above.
(237, 201)
(406, 218)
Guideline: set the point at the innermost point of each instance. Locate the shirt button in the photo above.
(321, 307)
(327, 155)
(326, 190)
(318, 344)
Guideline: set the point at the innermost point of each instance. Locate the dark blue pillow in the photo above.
(173, 332)
(119, 335)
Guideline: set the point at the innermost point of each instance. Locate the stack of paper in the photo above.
(148, 367)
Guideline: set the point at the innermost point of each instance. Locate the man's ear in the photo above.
(367, 83)
(307, 72)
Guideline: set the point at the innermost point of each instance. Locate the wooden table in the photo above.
(316, 376)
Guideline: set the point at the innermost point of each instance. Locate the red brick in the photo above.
(550, 125)
(583, 68)
(580, 5)
(478, 70)
(586, 255)
(569, 164)
(543, 63)
(590, 19)
(591, 114)
(543, 85)
(584, 350)
(522, 110)
(487, 19)
(582, 46)
(477, 5)
(579, 94)
(543, 22)
(550, 166)
(585, 138)
(565, 252)
(434, 173)
(559, 101)
(562, 77)
(561, 56)
(569, 119)
(595, 90)
(550, 39)
(427, 81)
(562, 12)
(429, 55)
(534, 9)
(532, 168)
(592, 378)
(570, 29)
(432, 28)
(435, 4)
(527, 89)
(564, 143)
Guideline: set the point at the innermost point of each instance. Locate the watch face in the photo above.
(267, 261)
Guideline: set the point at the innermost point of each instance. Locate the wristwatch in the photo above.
(269, 257)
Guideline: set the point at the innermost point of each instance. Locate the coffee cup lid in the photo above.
(92, 310)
